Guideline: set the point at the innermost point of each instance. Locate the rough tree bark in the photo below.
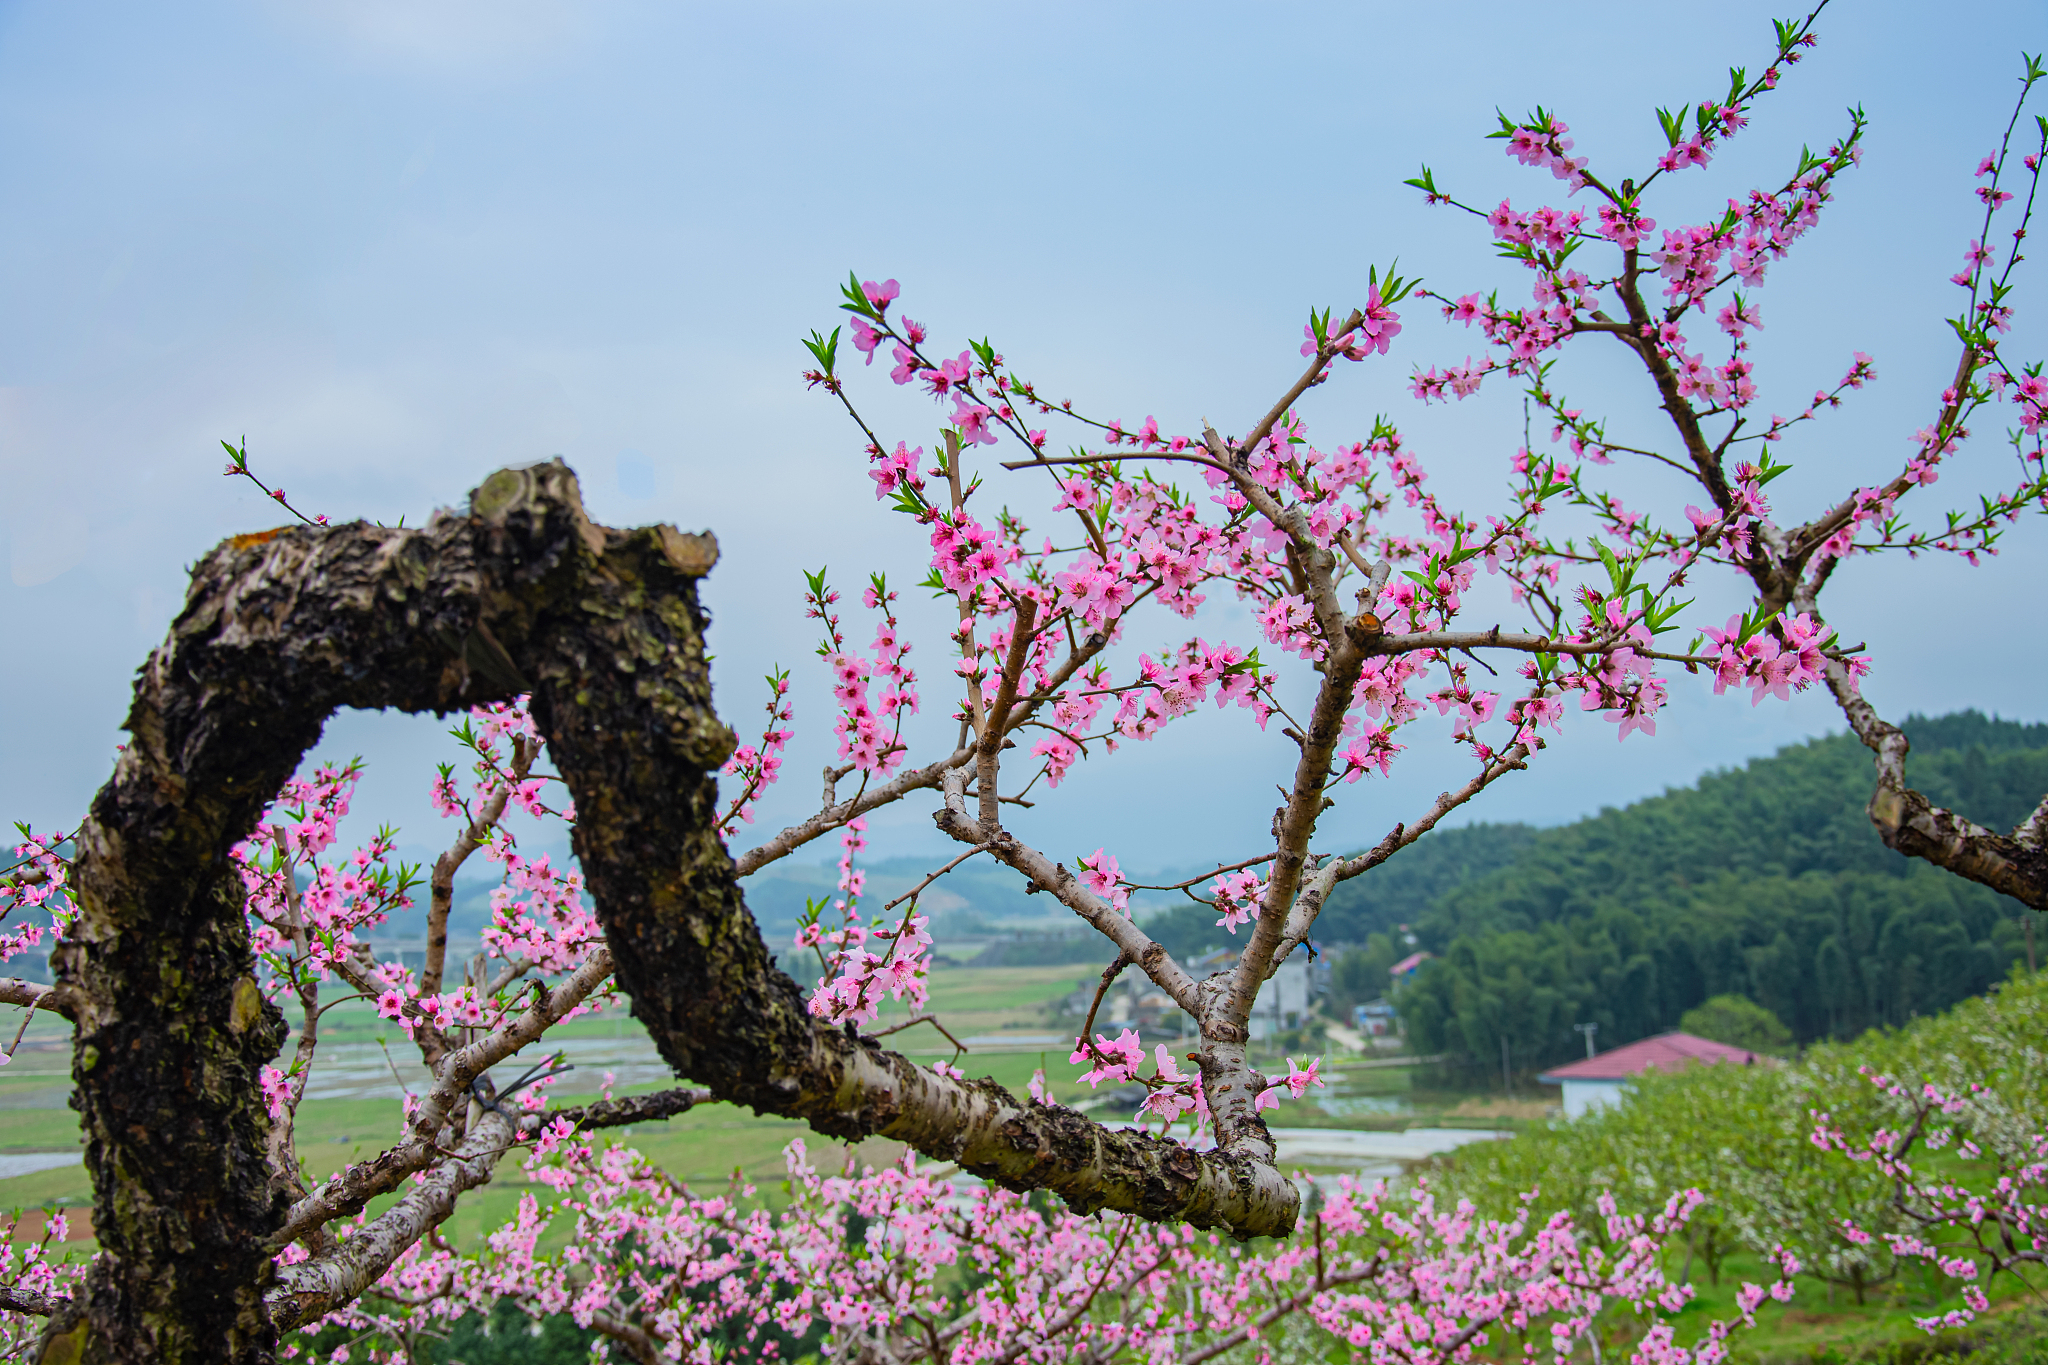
(2015, 864)
(283, 628)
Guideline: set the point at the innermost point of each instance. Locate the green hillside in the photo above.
(1765, 881)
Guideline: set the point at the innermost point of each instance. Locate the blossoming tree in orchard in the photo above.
(204, 899)
(1953, 1134)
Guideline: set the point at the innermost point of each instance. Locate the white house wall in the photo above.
(1583, 1096)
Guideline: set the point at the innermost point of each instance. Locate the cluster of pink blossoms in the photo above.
(869, 728)
(1238, 895)
(32, 1264)
(1770, 666)
(310, 915)
(1171, 1092)
(35, 883)
(1102, 875)
(758, 765)
(687, 1277)
(1140, 538)
(538, 914)
(306, 914)
(856, 977)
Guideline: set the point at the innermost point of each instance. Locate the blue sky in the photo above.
(398, 246)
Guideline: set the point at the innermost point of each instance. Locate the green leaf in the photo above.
(1766, 470)
(825, 350)
(1657, 619)
(1613, 568)
(856, 297)
(1750, 628)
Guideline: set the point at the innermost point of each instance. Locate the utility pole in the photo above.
(1589, 1030)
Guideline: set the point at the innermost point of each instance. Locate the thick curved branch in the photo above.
(2013, 864)
(523, 594)
(603, 628)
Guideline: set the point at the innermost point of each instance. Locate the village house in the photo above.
(1600, 1079)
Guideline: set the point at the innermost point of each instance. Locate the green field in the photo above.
(703, 1147)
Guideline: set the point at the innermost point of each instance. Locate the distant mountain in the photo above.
(1765, 881)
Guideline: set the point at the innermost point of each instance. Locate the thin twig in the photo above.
(915, 891)
(1109, 975)
(26, 1015)
(394, 1068)
(933, 1020)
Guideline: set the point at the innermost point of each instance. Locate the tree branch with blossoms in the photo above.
(724, 1016)
(205, 851)
(1788, 566)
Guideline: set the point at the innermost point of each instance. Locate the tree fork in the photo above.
(282, 628)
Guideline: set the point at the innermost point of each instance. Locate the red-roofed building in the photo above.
(1408, 966)
(1599, 1080)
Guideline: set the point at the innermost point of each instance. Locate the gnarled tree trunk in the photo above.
(603, 627)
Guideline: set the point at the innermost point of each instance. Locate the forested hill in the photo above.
(1765, 881)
